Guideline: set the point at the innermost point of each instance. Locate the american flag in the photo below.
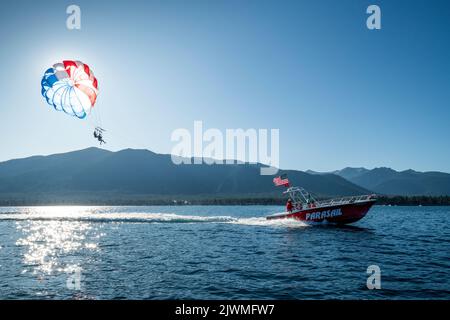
(281, 181)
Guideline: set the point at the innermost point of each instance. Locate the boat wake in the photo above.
(140, 217)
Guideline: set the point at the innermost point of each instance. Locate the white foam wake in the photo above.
(142, 217)
(262, 221)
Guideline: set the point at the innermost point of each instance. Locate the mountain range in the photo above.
(95, 173)
(391, 182)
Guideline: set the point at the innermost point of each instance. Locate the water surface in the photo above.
(220, 252)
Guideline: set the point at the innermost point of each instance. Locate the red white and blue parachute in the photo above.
(71, 87)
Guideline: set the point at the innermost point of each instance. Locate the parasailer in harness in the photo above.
(98, 135)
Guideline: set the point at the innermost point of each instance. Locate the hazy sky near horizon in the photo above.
(341, 95)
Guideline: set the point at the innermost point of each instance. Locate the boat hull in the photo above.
(340, 214)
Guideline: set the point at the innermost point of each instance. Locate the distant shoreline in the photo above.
(191, 200)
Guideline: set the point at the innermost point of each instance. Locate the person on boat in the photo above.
(289, 205)
(310, 202)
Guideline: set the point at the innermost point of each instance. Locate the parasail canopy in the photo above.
(71, 87)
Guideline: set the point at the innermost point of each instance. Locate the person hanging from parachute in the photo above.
(98, 135)
(70, 86)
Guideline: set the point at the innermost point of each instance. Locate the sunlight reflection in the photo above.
(55, 245)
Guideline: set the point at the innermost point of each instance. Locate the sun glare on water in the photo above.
(46, 241)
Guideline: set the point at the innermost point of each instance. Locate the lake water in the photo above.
(219, 252)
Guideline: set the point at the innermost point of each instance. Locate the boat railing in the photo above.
(345, 200)
(302, 199)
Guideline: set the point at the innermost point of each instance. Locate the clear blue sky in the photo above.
(342, 95)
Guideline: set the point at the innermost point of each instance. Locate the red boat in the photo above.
(341, 210)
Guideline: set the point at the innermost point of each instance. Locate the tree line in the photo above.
(195, 200)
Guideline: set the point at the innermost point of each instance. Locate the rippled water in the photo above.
(220, 252)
